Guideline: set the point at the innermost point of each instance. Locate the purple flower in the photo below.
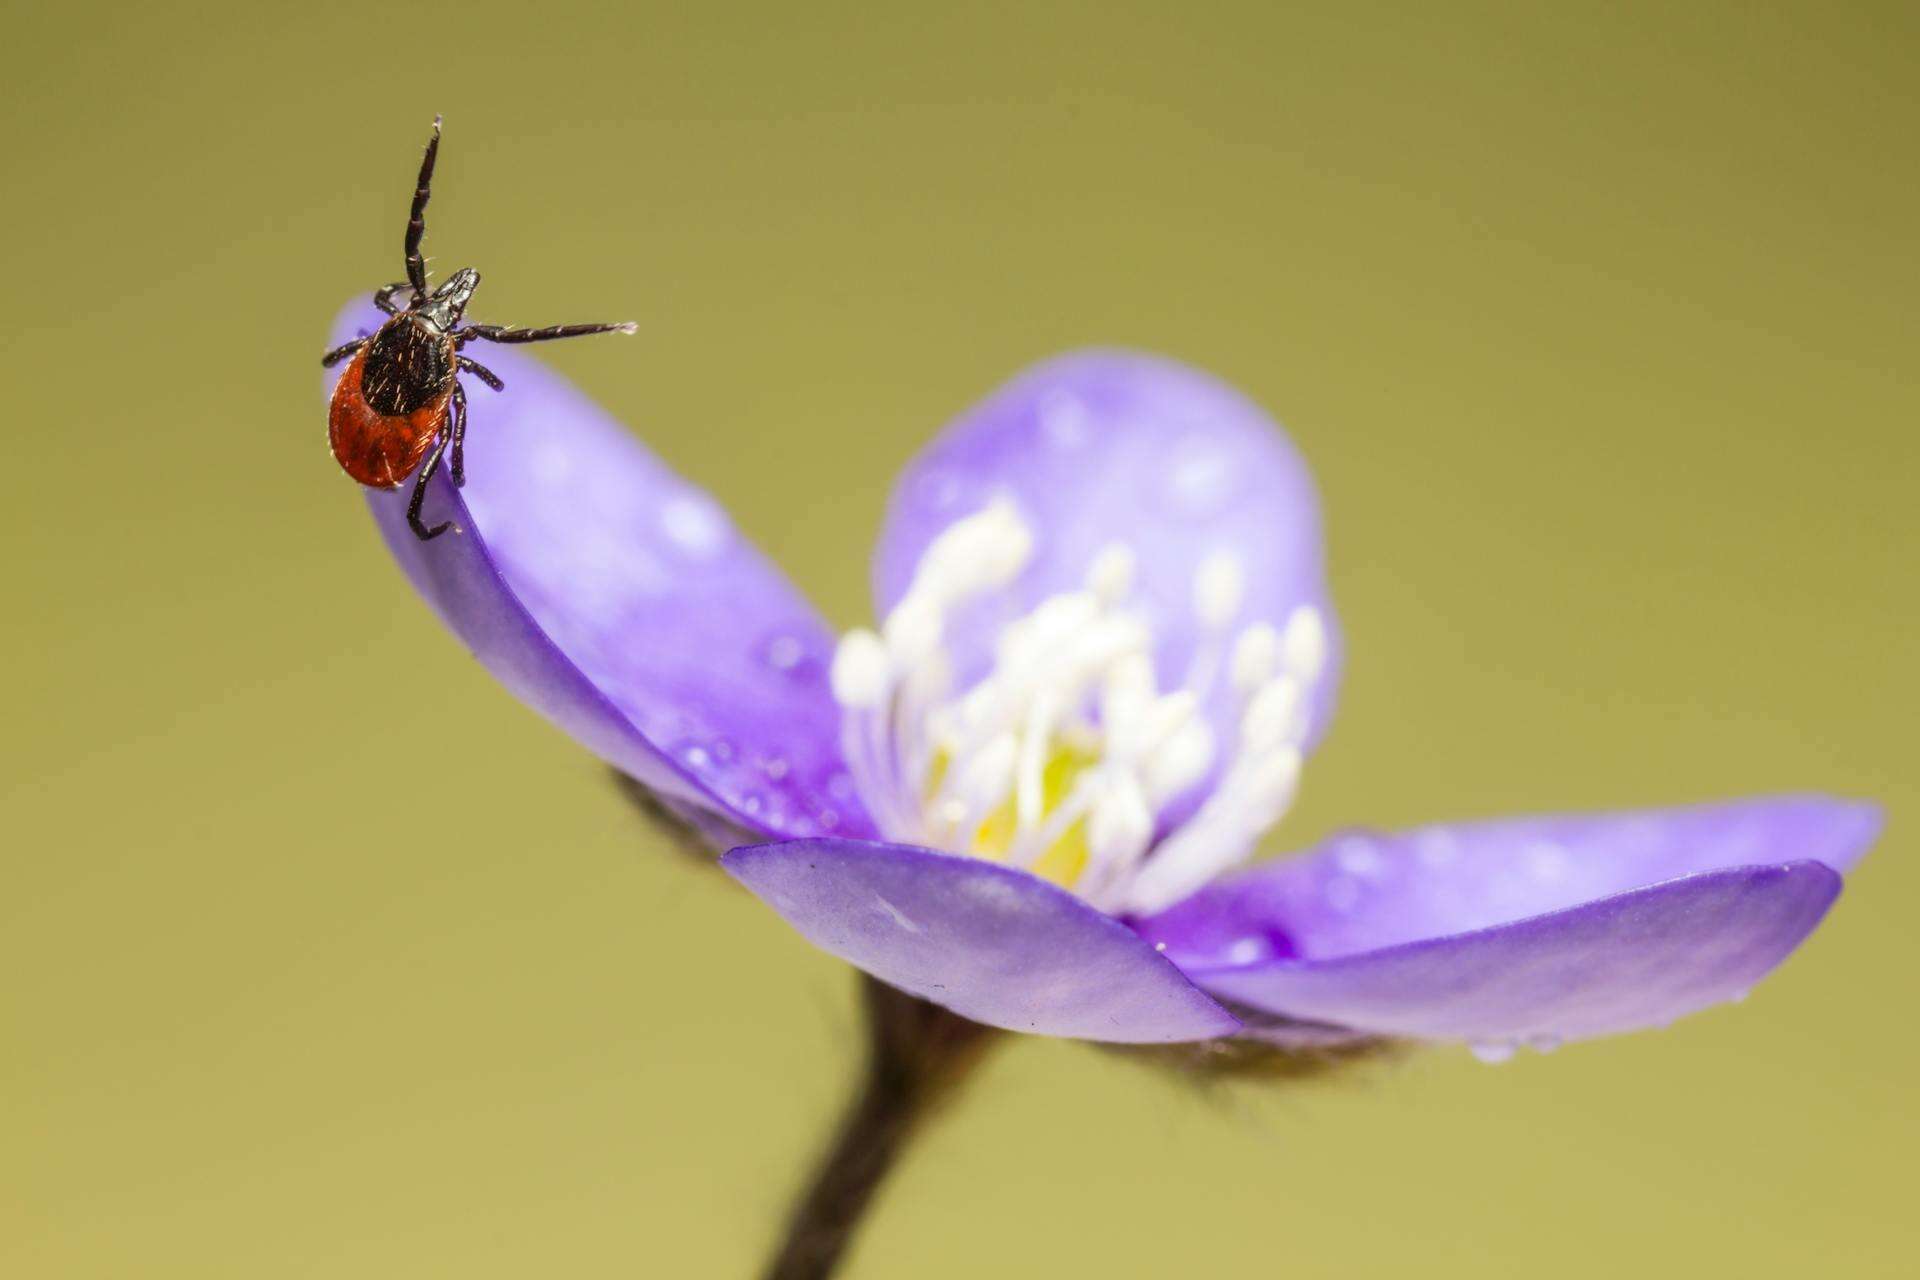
(1106, 649)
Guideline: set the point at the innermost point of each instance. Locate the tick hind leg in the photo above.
(431, 465)
(457, 457)
(481, 372)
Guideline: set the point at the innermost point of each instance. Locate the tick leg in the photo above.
(417, 218)
(341, 352)
(457, 462)
(503, 333)
(431, 465)
(481, 372)
(383, 299)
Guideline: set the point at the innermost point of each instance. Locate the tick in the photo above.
(399, 404)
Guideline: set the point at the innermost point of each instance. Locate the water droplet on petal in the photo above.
(1199, 481)
(1246, 951)
(940, 490)
(694, 523)
(696, 757)
(784, 653)
(1064, 421)
(1492, 1052)
(1359, 858)
(1343, 893)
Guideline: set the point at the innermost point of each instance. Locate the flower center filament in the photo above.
(1066, 758)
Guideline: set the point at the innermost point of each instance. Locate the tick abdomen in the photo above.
(382, 449)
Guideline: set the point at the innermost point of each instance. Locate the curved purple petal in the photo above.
(989, 942)
(1098, 447)
(619, 601)
(1638, 959)
(1361, 890)
(1550, 927)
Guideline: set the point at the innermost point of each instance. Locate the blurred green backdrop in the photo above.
(321, 957)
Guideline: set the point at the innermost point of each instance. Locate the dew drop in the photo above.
(1359, 858)
(723, 750)
(1492, 1052)
(784, 653)
(696, 757)
(775, 767)
(1437, 847)
(1343, 893)
(1064, 421)
(694, 523)
(1199, 481)
(1246, 951)
(941, 489)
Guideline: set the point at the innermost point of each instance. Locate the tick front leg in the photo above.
(384, 297)
(341, 352)
(431, 465)
(481, 372)
(457, 464)
(503, 333)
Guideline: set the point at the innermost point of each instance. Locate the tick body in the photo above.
(399, 404)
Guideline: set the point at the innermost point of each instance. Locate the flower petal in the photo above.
(1638, 959)
(1099, 447)
(619, 601)
(1538, 927)
(989, 942)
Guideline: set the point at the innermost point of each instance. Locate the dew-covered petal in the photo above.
(1104, 447)
(1360, 890)
(1532, 927)
(1635, 960)
(620, 602)
(989, 942)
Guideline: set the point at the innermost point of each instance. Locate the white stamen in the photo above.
(1118, 828)
(1256, 656)
(861, 672)
(1218, 588)
(1303, 645)
(984, 550)
(979, 786)
(1110, 577)
(1180, 763)
(1274, 716)
(1070, 729)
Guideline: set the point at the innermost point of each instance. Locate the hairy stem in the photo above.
(917, 1055)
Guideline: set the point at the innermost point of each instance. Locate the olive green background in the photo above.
(321, 957)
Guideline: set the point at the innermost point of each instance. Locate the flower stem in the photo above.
(917, 1055)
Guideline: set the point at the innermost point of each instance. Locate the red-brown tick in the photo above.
(399, 404)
